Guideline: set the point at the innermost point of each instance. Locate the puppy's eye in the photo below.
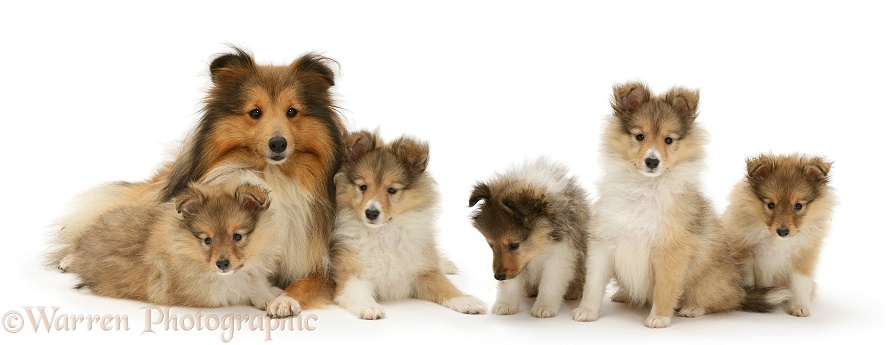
(798, 207)
(292, 112)
(207, 240)
(236, 237)
(771, 205)
(513, 246)
(255, 113)
(363, 187)
(639, 137)
(391, 190)
(669, 140)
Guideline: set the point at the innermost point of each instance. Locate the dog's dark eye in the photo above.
(236, 237)
(391, 190)
(207, 240)
(639, 137)
(669, 140)
(363, 187)
(292, 112)
(798, 207)
(513, 246)
(255, 113)
(771, 205)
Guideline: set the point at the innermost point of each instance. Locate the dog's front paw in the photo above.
(585, 314)
(542, 311)
(501, 308)
(370, 312)
(691, 312)
(800, 311)
(283, 306)
(658, 321)
(466, 305)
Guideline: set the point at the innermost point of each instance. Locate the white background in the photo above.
(95, 92)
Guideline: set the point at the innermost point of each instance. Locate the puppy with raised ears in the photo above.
(384, 243)
(777, 218)
(654, 231)
(210, 254)
(535, 217)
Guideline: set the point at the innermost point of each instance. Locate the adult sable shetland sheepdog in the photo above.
(777, 219)
(653, 230)
(203, 250)
(535, 217)
(383, 246)
(269, 125)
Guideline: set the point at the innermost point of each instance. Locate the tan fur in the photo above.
(151, 254)
(754, 227)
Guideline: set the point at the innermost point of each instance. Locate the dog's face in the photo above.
(222, 223)
(787, 186)
(654, 129)
(380, 182)
(514, 224)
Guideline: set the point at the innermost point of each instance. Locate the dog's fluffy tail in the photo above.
(764, 299)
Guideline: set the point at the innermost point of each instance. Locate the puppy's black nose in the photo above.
(372, 214)
(278, 144)
(501, 276)
(652, 163)
(783, 232)
(223, 264)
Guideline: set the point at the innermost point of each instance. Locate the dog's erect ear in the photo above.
(252, 198)
(190, 202)
(233, 66)
(358, 144)
(629, 97)
(480, 192)
(817, 170)
(758, 168)
(411, 152)
(683, 101)
(315, 69)
(525, 207)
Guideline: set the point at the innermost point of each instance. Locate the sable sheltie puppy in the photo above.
(535, 218)
(777, 219)
(383, 245)
(203, 250)
(269, 125)
(653, 230)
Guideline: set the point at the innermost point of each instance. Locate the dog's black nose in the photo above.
(783, 232)
(278, 144)
(372, 214)
(652, 163)
(501, 276)
(223, 264)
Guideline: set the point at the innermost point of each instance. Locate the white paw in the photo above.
(691, 312)
(447, 266)
(800, 311)
(371, 312)
(543, 311)
(261, 302)
(283, 306)
(502, 308)
(585, 314)
(658, 321)
(466, 305)
(66, 262)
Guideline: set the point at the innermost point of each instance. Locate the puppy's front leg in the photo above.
(357, 297)
(670, 263)
(554, 281)
(598, 272)
(510, 292)
(435, 287)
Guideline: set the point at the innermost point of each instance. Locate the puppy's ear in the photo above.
(817, 170)
(190, 202)
(683, 101)
(252, 198)
(315, 70)
(480, 192)
(413, 153)
(628, 97)
(758, 168)
(525, 207)
(358, 144)
(227, 68)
